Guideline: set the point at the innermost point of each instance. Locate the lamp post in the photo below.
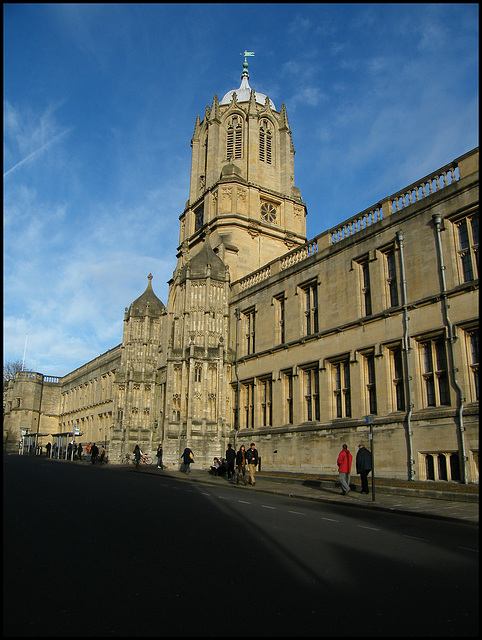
(369, 421)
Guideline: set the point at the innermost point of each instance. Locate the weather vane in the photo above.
(246, 54)
(245, 63)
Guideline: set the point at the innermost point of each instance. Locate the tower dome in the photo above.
(148, 304)
(244, 91)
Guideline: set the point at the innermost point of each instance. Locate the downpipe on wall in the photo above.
(236, 419)
(408, 389)
(437, 218)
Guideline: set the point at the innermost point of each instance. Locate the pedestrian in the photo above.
(102, 455)
(344, 469)
(55, 451)
(79, 451)
(252, 456)
(137, 455)
(94, 452)
(48, 446)
(87, 451)
(74, 453)
(187, 457)
(159, 456)
(241, 464)
(69, 451)
(230, 460)
(363, 466)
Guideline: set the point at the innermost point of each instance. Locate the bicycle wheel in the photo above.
(148, 460)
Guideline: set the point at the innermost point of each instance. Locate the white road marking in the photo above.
(467, 549)
(223, 498)
(330, 519)
(244, 501)
(371, 528)
(415, 538)
(298, 513)
(266, 506)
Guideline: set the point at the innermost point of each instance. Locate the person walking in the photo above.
(137, 455)
(94, 452)
(252, 457)
(102, 455)
(363, 466)
(79, 451)
(230, 460)
(241, 464)
(344, 469)
(87, 451)
(187, 457)
(48, 446)
(159, 456)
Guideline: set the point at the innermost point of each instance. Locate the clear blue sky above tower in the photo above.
(100, 102)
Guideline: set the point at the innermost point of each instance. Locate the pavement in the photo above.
(421, 502)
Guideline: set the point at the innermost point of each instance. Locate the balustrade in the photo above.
(254, 278)
(307, 250)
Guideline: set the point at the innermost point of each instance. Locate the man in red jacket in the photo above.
(344, 469)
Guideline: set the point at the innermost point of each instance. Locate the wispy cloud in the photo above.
(37, 152)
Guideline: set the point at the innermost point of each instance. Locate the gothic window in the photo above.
(197, 374)
(265, 141)
(266, 405)
(199, 218)
(310, 293)
(268, 212)
(234, 146)
(176, 408)
(474, 360)
(288, 390)
(249, 319)
(312, 393)
(341, 388)
(397, 377)
(371, 383)
(392, 279)
(280, 302)
(366, 290)
(435, 373)
(468, 239)
(249, 404)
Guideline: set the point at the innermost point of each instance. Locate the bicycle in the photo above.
(144, 459)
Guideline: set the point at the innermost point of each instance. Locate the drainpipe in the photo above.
(408, 377)
(236, 418)
(437, 218)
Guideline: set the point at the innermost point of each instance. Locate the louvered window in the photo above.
(234, 145)
(265, 142)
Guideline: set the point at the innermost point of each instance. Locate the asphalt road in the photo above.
(97, 551)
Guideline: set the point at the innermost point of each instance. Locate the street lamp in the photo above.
(369, 421)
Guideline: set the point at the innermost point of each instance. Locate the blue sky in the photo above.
(100, 102)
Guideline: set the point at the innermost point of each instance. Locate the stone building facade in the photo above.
(291, 343)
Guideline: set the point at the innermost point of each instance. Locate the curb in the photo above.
(334, 500)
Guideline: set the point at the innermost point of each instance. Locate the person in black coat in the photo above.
(187, 457)
(94, 452)
(230, 459)
(363, 466)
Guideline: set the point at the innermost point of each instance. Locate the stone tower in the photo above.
(137, 416)
(243, 211)
(242, 183)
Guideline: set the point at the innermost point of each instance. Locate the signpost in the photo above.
(369, 421)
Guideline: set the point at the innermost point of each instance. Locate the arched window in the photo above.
(265, 140)
(234, 145)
